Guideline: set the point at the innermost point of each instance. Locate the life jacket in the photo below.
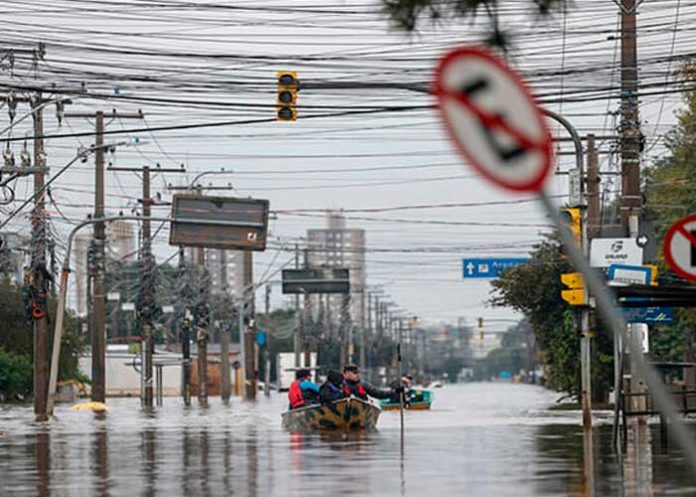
(361, 390)
(295, 395)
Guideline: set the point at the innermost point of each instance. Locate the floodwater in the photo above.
(486, 439)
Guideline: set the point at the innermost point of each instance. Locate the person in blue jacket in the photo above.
(333, 388)
(302, 391)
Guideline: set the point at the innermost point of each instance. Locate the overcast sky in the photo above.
(208, 62)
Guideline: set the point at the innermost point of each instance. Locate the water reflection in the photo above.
(479, 441)
(101, 461)
(42, 456)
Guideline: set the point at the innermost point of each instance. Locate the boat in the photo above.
(345, 415)
(421, 399)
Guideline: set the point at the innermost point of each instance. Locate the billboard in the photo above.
(219, 222)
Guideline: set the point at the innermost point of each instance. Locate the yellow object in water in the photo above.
(90, 406)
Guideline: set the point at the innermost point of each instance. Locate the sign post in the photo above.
(496, 125)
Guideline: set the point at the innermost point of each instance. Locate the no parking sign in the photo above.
(493, 119)
(680, 247)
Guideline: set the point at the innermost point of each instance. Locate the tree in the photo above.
(670, 190)
(16, 343)
(535, 290)
(407, 14)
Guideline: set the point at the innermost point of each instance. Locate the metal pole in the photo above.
(585, 340)
(99, 305)
(615, 322)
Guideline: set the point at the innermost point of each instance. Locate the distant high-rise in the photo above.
(79, 264)
(120, 241)
(338, 246)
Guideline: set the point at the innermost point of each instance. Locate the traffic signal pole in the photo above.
(585, 344)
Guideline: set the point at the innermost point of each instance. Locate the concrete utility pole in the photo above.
(631, 148)
(225, 380)
(249, 362)
(146, 298)
(201, 324)
(593, 184)
(297, 337)
(631, 136)
(267, 350)
(99, 286)
(38, 267)
(148, 290)
(99, 265)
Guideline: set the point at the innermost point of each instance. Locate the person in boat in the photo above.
(354, 386)
(333, 388)
(401, 387)
(303, 391)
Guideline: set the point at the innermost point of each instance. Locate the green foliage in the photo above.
(15, 374)
(671, 193)
(534, 289)
(17, 337)
(407, 15)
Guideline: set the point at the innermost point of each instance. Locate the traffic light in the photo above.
(572, 217)
(576, 294)
(288, 87)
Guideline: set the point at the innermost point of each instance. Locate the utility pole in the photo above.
(631, 145)
(99, 285)
(99, 275)
(201, 317)
(249, 362)
(297, 337)
(38, 266)
(631, 136)
(146, 299)
(593, 182)
(225, 381)
(267, 350)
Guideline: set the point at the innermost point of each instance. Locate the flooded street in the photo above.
(479, 439)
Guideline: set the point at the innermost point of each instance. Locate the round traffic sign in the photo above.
(680, 247)
(492, 118)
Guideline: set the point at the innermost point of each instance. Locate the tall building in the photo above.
(120, 241)
(120, 246)
(226, 269)
(338, 246)
(13, 253)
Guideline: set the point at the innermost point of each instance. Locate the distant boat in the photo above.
(421, 400)
(436, 384)
(349, 414)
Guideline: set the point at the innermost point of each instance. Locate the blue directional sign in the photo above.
(649, 315)
(624, 274)
(489, 267)
(261, 338)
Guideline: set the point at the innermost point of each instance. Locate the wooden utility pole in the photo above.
(201, 334)
(99, 263)
(39, 271)
(267, 349)
(593, 186)
(249, 360)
